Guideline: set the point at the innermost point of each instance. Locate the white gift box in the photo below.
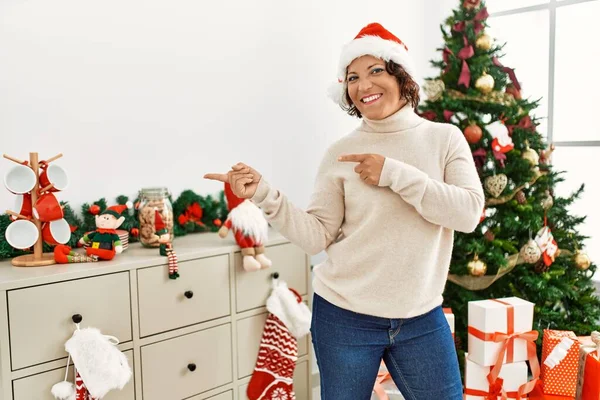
(490, 316)
(514, 375)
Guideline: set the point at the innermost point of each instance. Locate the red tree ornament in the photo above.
(473, 133)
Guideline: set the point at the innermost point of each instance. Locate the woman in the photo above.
(387, 199)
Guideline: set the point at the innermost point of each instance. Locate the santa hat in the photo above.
(159, 225)
(232, 200)
(117, 210)
(376, 41)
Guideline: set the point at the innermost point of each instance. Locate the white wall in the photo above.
(151, 93)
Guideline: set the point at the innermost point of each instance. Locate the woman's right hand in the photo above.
(242, 178)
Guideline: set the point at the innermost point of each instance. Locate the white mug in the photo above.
(22, 234)
(19, 179)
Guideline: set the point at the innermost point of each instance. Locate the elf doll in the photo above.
(166, 248)
(104, 242)
(250, 230)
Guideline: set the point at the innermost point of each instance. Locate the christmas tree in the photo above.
(527, 243)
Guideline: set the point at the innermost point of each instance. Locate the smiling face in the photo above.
(372, 90)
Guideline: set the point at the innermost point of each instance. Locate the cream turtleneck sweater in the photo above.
(388, 246)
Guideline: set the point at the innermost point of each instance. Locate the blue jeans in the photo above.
(419, 353)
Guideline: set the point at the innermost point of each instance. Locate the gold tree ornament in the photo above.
(496, 184)
(484, 42)
(582, 260)
(485, 83)
(531, 252)
(547, 201)
(531, 155)
(477, 267)
(434, 89)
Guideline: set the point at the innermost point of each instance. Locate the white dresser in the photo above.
(196, 337)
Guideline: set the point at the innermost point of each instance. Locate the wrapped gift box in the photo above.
(450, 318)
(560, 363)
(538, 394)
(476, 383)
(588, 382)
(506, 315)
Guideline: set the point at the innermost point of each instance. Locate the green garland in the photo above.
(195, 212)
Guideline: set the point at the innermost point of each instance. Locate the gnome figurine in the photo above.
(250, 230)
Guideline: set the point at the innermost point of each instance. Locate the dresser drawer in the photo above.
(166, 365)
(221, 396)
(38, 386)
(201, 293)
(250, 332)
(41, 317)
(253, 288)
(301, 386)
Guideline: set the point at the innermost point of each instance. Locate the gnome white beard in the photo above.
(249, 219)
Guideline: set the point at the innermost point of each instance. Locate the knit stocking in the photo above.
(81, 391)
(273, 374)
(172, 259)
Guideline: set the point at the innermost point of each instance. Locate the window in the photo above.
(551, 45)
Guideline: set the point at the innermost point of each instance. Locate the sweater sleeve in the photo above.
(315, 228)
(456, 203)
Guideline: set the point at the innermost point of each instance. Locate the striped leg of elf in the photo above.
(64, 255)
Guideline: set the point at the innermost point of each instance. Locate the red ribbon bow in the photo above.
(495, 390)
(467, 51)
(509, 71)
(192, 213)
(524, 123)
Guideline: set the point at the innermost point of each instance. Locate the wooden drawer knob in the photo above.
(77, 318)
(189, 294)
(192, 367)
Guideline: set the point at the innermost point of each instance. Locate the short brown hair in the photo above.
(409, 89)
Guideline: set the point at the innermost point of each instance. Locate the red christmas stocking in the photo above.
(289, 319)
(81, 392)
(273, 374)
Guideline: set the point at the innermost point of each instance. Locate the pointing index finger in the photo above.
(217, 177)
(353, 158)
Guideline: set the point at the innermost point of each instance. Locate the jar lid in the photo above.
(154, 192)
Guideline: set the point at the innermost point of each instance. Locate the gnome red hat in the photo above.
(159, 225)
(232, 200)
(376, 41)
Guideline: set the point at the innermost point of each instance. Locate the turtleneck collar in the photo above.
(403, 119)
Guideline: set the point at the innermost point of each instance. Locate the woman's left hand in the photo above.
(369, 166)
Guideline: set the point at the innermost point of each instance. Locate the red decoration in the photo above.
(511, 89)
(193, 213)
(430, 115)
(473, 133)
(135, 232)
(471, 4)
(218, 222)
(94, 209)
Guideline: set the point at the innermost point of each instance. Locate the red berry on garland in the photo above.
(217, 222)
(94, 209)
(135, 232)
